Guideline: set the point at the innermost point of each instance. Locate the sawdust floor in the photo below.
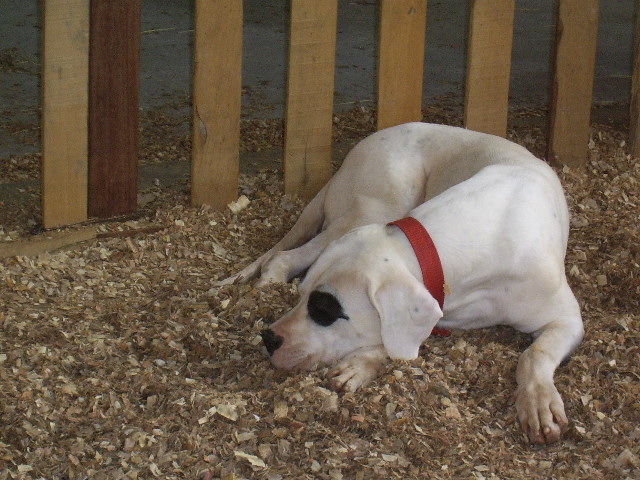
(119, 361)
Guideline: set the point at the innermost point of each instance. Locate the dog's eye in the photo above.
(324, 309)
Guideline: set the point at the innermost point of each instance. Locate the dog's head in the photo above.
(359, 293)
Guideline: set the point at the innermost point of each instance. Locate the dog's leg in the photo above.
(358, 368)
(539, 407)
(308, 224)
(285, 265)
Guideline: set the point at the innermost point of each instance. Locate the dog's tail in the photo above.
(306, 227)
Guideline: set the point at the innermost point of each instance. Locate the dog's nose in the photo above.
(271, 340)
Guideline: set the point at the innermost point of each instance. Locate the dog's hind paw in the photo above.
(232, 280)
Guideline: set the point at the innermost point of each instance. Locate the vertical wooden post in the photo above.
(634, 104)
(572, 87)
(113, 106)
(65, 77)
(309, 116)
(486, 104)
(401, 61)
(217, 91)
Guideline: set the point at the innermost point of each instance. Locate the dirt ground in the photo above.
(119, 361)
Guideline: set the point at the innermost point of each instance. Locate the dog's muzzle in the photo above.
(271, 340)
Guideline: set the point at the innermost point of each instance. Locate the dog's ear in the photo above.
(407, 313)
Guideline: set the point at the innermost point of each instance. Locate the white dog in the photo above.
(496, 225)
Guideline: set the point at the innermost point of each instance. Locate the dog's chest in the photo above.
(478, 309)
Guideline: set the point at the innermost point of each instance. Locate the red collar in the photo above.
(428, 258)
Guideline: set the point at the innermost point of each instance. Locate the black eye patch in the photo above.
(324, 309)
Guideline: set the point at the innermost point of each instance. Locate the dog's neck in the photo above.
(427, 255)
(406, 253)
(452, 259)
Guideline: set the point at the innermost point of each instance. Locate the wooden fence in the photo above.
(90, 141)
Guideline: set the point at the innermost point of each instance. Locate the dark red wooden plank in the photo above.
(114, 90)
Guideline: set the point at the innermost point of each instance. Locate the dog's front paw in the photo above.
(348, 376)
(541, 412)
(357, 369)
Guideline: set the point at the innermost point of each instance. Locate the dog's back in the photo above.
(413, 162)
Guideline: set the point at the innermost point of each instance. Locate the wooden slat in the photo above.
(217, 93)
(47, 242)
(572, 88)
(65, 76)
(113, 106)
(309, 116)
(401, 61)
(489, 66)
(634, 104)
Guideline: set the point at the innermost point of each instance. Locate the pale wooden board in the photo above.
(217, 91)
(572, 88)
(401, 61)
(65, 77)
(489, 66)
(46, 242)
(634, 104)
(309, 116)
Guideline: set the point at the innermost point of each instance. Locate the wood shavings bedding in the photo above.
(119, 361)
